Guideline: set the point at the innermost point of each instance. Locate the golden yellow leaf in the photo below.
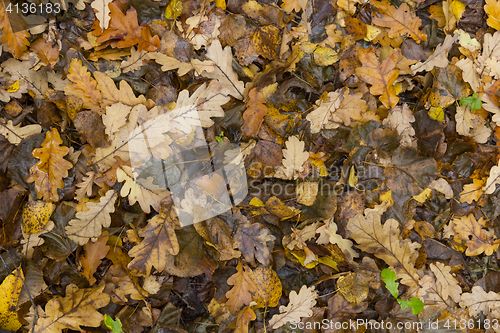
(244, 317)
(492, 8)
(268, 287)
(82, 80)
(36, 214)
(10, 289)
(48, 173)
(472, 192)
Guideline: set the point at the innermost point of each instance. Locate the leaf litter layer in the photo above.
(213, 166)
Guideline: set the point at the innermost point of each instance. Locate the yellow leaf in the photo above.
(36, 214)
(472, 192)
(13, 87)
(173, 10)
(10, 289)
(221, 4)
(424, 195)
(353, 178)
(256, 202)
(387, 198)
(436, 113)
(306, 193)
(268, 287)
(492, 8)
(80, 76)
(325, 56)
(245, 316)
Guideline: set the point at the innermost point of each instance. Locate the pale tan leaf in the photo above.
(224, 71)
(145, 193)
(442, 186)
(169, 63)
(294, 157)
(112, 95)
(439, 58)
(102, 9)
(446, 284)
(492, 180)
(479, 301)
(470, 73)
(328, 235)
(400, 119)
(88, 224)
(477, 239)
(340, 108)
(300, 306)
(134, 61)
(16, 133)
(115, 117)
(384, 241)
(85, 186)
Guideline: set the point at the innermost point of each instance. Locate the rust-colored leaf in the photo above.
(254, 114)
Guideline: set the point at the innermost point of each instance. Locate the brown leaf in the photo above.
(78, 307)
(89, 124)
(266, 41)
(477, 239)
(45, 51)
(159, 238)
(245, 316)
(251, 239)
(400, 21)
(380, 75)
(48, 173)
(243, 286)
(17, 42)
(126, 29)
(94, 253)
(254, 114)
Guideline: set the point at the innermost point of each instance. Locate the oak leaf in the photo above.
(145, 192)
(94, 253)
(134, 61)
(15, 134)
(48, 173)
(48, 54)
(112, 95)
(244, 317)
(243, 286)
(294, 158)
(85, 186)
(218, 233)
(159, 238)
(439, 58)
(477, 239)
(400, 21)
(300, 306)
(446, 284)
(169, 63)
(102, 9)
(400, 119)
(252, 240)
(493, 179)
(82, 80)
(472, 192)
(88, 224)
(384, 241)
(126, 29)
(254, 113)
(381, 76)
(340, 107)
(17, 42)
(224, 71)
(479, 301)
(115, 117)
(78, 307)
(328, 235)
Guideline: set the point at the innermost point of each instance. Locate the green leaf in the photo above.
(114, 325)
(389, 277)
(415, 304)
(473, 101)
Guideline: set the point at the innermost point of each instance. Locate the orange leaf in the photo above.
(125, 28)
(48, 173)
(243, 286)
(254, 114)
(82, 80)
(45, 51)
(17, 42)
(400, 21)
(245, 316)
(380, 75)
(94, 253)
